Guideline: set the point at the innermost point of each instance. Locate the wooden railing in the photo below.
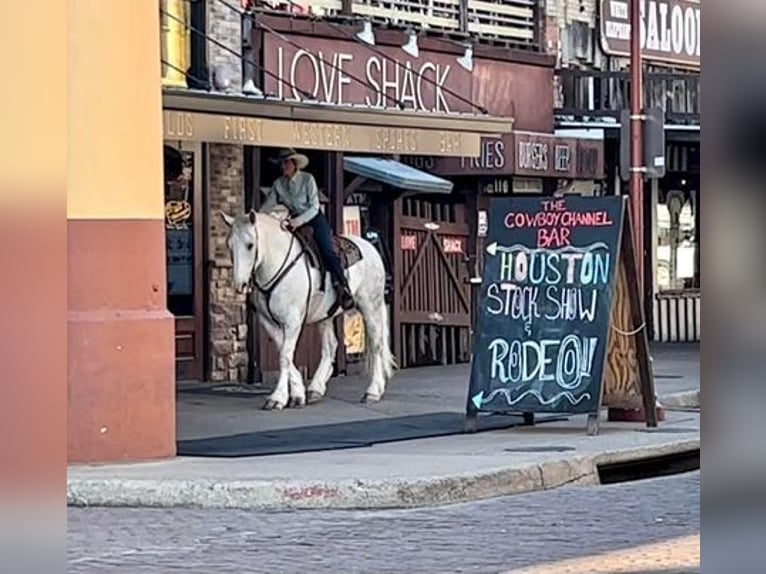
(590, 93)
(512, 22)
(424, 14)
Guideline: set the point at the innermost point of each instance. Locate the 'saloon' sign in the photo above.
(670, 30)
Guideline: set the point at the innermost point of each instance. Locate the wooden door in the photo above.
(184, 242)
(431, 295)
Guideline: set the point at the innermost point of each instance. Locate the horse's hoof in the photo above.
(313, 397)
(369, 399)
(272, 405)
(296, 402)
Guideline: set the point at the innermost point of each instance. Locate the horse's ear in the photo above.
(227, 219)
(251, 217)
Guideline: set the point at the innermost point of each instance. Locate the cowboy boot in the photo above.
(347, 298)
(343, 292)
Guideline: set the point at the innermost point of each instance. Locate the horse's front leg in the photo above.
(318, 386)
(289, 387)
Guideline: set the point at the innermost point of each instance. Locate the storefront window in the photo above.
(677, 257)
(179, 232)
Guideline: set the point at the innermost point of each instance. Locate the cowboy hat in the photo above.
(301, 161)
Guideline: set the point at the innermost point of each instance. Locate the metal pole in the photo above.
(636, 145)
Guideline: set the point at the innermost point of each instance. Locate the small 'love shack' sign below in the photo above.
(559, 325)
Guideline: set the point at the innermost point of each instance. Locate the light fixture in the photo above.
(250, 89)
(367, 35)
(466, 60)
(411, 46)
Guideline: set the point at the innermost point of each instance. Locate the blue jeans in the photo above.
(323, 237)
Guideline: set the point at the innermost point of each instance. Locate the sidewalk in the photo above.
(401, 474)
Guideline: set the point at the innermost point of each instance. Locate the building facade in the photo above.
(591, 40)
(462, 91)
(506, 72)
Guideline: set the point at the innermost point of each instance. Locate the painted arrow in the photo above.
(493, 248)
(478, 399)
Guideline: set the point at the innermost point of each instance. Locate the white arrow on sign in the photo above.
(493, 248)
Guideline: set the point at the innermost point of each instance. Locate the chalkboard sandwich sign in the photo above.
(558, 310)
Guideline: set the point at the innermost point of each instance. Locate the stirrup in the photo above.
(346, 298)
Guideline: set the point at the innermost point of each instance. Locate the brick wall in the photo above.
(225, 26)
(226, 309)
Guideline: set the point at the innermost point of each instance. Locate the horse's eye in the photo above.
(250, 246)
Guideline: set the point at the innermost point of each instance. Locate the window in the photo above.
(678, 259)
(174, 42)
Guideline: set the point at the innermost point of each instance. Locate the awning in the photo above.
(397, 174)
(221, 118)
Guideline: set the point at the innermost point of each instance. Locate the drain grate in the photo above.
(649, 467)
(540, 449)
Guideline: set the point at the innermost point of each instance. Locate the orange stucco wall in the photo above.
(120, 351)
(115, 110)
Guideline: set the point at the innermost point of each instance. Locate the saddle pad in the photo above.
(348, 251)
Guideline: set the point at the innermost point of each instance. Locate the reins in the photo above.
(281, 273)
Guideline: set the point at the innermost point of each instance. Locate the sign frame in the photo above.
(614, 16)
(634, 389)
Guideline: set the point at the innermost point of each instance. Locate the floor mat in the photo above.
(344, 435)
(233, 390)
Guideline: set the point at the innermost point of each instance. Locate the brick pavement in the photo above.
(483, 537)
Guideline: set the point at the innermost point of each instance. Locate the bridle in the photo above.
(286, 266)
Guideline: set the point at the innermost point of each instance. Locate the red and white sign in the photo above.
(452, 244)
(352, 220)
(409, 242)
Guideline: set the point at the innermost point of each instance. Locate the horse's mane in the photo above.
(269, 221)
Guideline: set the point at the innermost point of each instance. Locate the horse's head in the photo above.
(242, 243)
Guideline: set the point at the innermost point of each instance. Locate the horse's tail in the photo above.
(383, 346)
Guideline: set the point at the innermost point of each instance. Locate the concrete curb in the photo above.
(682, 400)
(357, 494)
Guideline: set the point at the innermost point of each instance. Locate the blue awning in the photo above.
(397, 174)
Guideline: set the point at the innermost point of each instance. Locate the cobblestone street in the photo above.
(491, 536)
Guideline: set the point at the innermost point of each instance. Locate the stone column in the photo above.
(121, 371)
(227, 344)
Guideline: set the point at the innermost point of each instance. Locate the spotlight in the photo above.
(367, 35)
(466, 60)
(411, 46)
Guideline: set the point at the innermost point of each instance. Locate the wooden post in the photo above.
(333, 173)
(253, 201)
(636, 142)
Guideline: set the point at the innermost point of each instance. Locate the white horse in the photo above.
(287, 295)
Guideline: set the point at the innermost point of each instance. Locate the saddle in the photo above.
(346, 249)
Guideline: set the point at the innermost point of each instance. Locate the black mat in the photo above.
(344, 435)
(234, 391)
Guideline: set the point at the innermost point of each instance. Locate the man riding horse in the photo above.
(297, 191)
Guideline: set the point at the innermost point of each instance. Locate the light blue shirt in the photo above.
(299, 194)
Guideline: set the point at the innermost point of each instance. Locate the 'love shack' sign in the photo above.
(543, 314)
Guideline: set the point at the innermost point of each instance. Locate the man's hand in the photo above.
(289, 225)
(293, 224)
